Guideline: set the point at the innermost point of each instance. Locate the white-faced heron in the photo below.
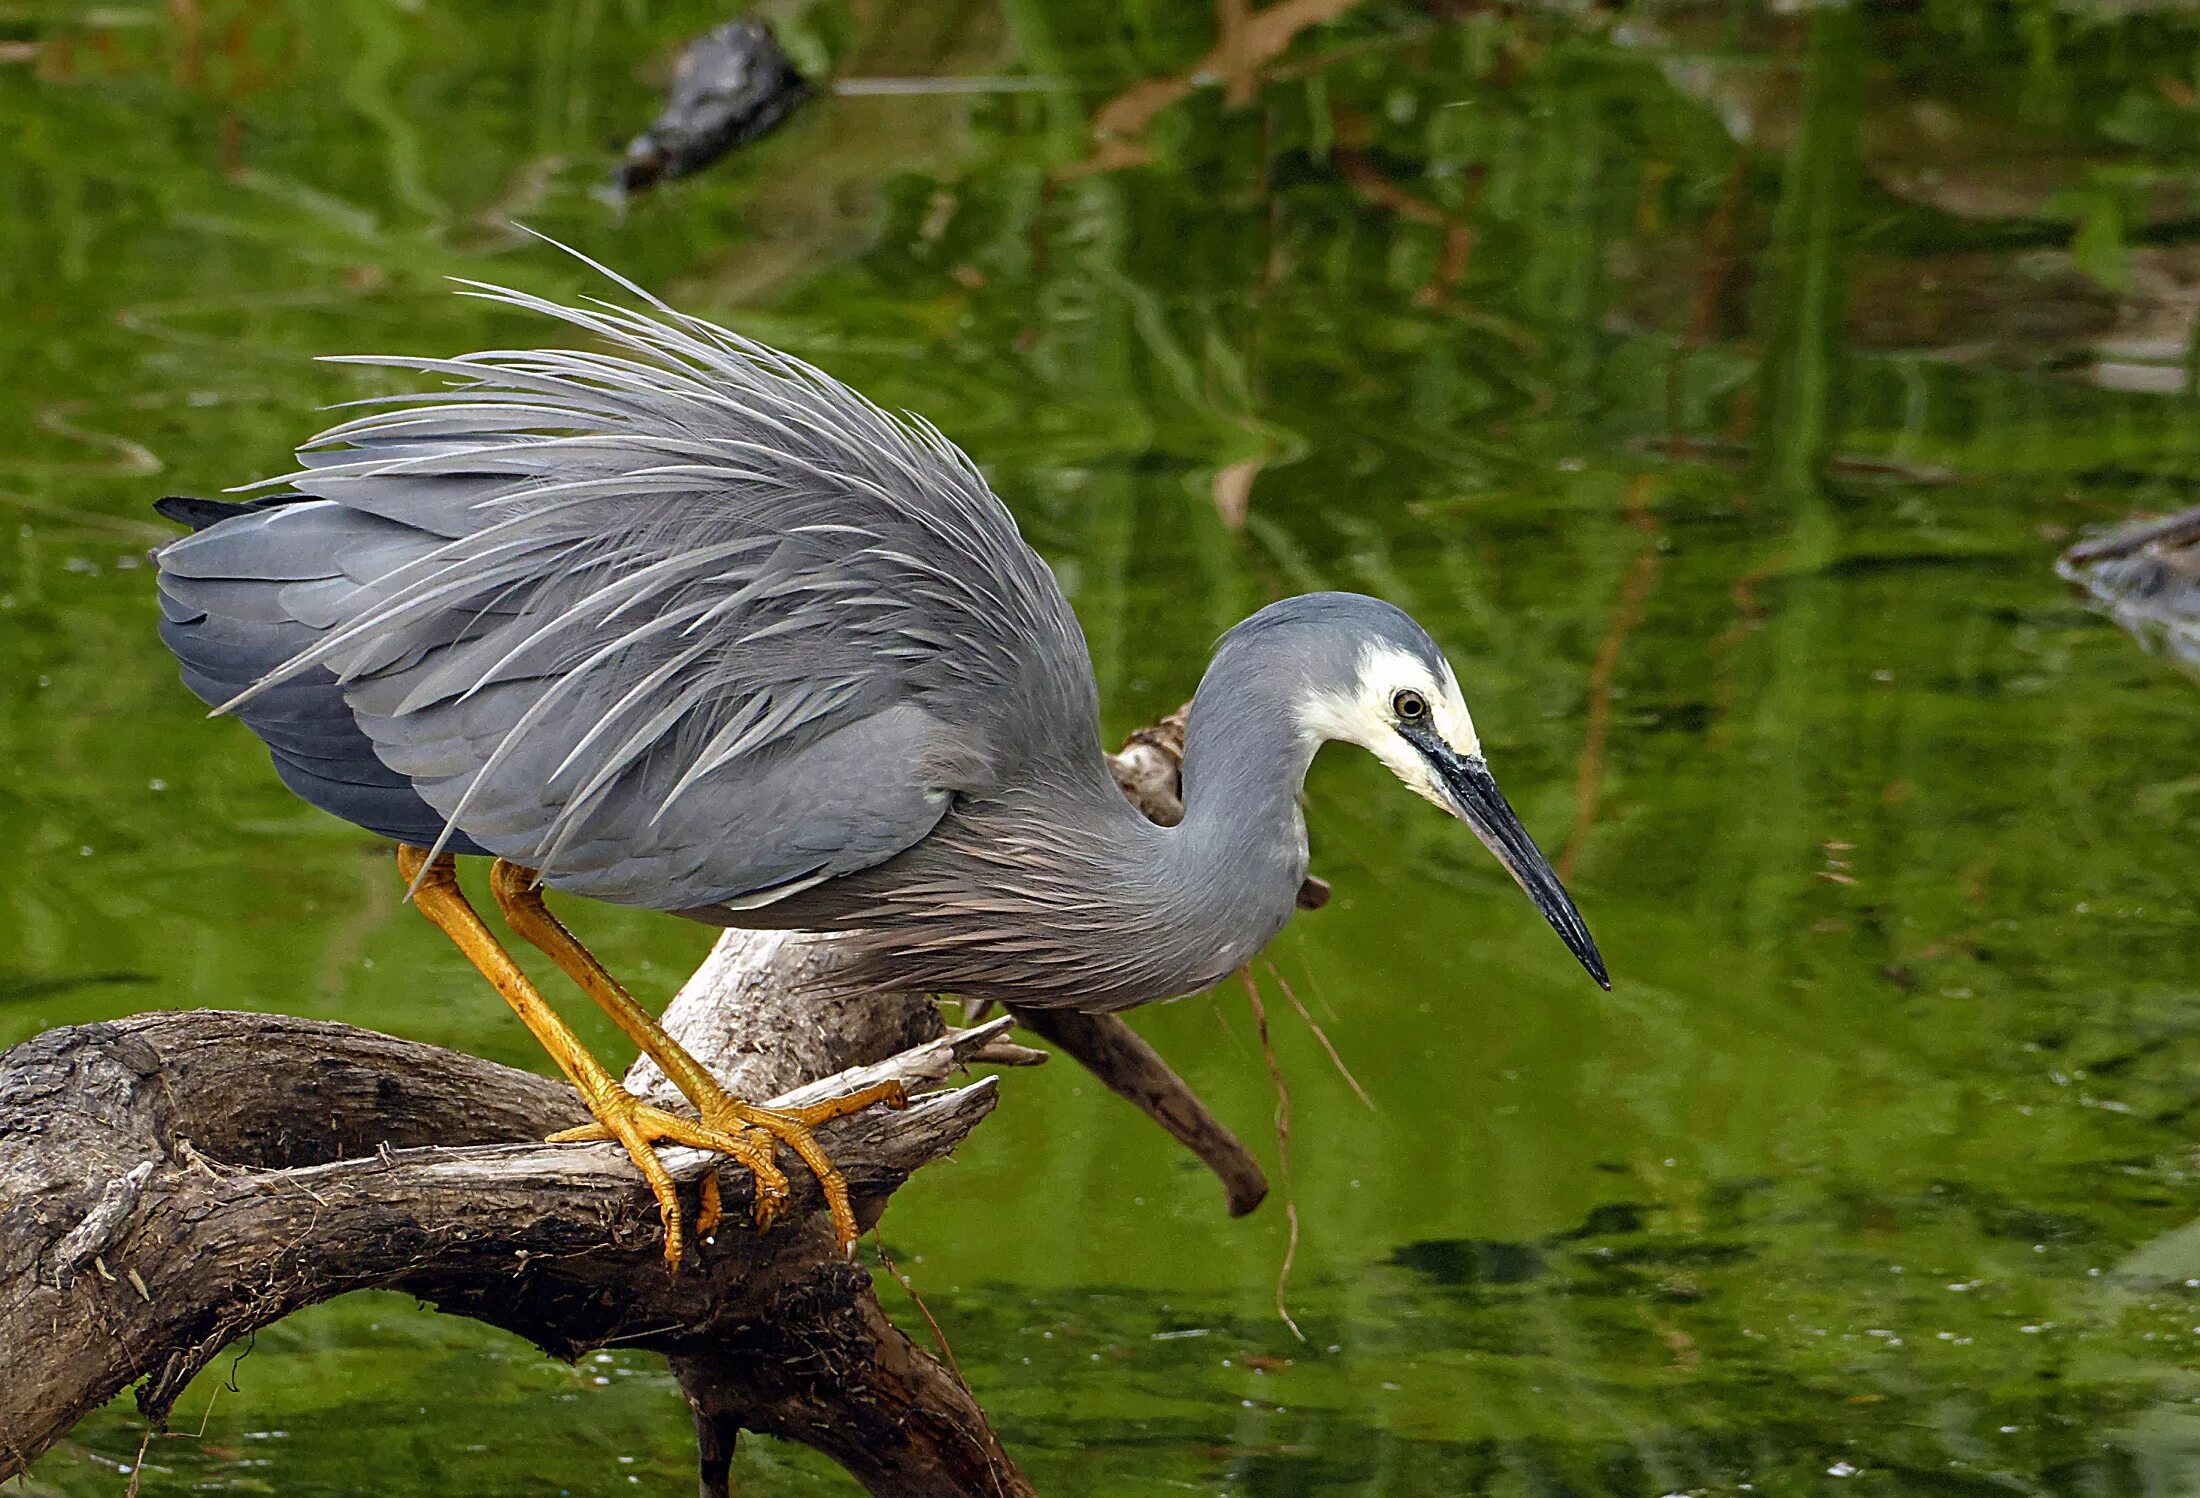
(689, 625)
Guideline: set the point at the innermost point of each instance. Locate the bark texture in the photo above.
(175, 1181)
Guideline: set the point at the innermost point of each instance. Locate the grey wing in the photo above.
(686, 623)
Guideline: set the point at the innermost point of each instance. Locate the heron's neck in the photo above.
(1245, 764)
(1240, 853)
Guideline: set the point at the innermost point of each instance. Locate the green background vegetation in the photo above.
(1718, 386)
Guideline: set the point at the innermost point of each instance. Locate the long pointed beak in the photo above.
(1475, 800)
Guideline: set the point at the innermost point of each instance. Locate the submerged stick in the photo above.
(1134, 1071)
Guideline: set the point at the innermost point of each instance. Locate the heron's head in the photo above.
(1367, 674)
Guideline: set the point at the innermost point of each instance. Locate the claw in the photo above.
(728, 1127)
(711, 1209)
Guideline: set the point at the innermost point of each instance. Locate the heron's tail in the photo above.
(221, 613)
(201, 513)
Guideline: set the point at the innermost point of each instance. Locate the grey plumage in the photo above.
(689, 625)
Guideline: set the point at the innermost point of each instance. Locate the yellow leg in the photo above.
(619, 1114)
(519, 896)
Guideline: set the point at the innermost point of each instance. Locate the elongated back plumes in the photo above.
(617, 614)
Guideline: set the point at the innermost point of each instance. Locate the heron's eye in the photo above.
(1410, 706)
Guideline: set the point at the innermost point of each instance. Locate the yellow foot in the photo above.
(794, 1126)
(728, 1121)
(640, 1127)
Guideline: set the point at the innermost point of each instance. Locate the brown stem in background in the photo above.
(1721, 259)
(1627, 612)
(1321, 1035)
(1749, 616)
(1240, 74)
(1245, 46)
(1283, 1148)
(1440, 290)
(909, 1288)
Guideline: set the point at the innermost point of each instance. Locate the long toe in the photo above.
(626, 1125)
(747, 1134)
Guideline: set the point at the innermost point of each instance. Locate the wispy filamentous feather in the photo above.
(1046, 897)
(606, 600)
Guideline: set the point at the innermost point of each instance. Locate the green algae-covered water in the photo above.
(1717, 385)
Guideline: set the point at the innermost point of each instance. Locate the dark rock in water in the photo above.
(1611, 1220)
(2147, 576)
(1471, 1261)
(733, 85)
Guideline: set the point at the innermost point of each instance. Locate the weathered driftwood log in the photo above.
(171, 1182)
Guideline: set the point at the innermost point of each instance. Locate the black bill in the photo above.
(1477, 801)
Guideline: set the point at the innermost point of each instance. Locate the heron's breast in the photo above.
(1232, 921)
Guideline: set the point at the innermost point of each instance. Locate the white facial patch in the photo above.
(1364, 715)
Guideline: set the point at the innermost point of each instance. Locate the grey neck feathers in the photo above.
(1236, 861)
(1245, 759)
